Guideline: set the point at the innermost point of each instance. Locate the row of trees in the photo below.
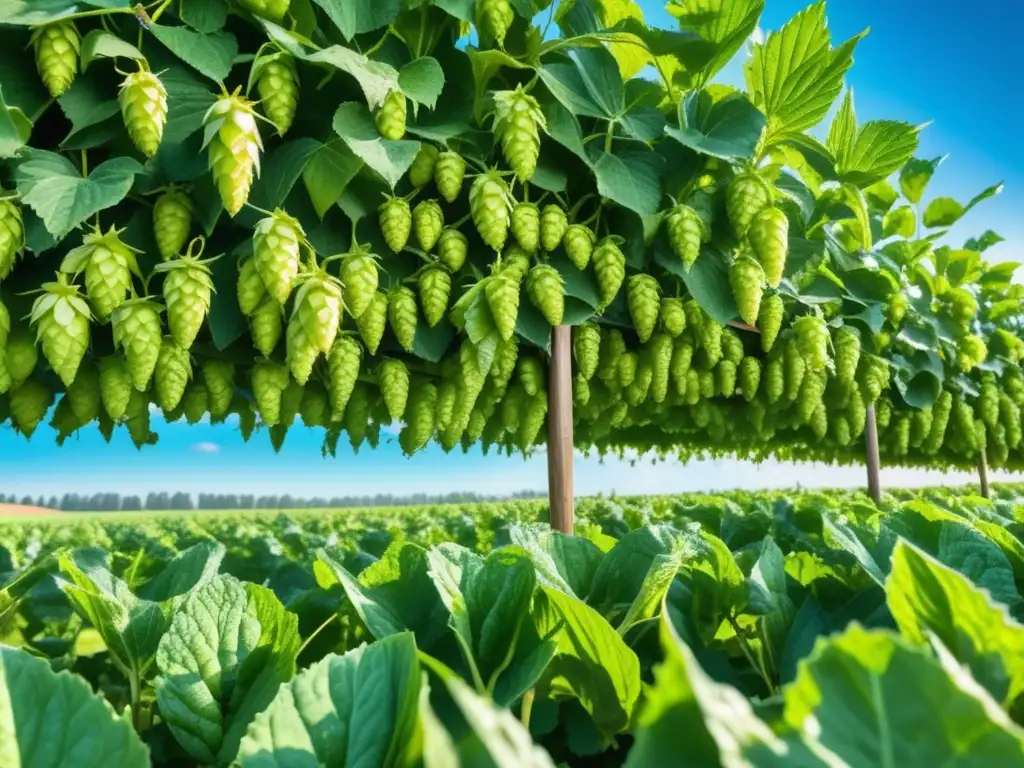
(114, 502)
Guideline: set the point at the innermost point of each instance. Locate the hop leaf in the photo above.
(278, 87)
(56, 47)
(234, 145)
(391, 115)
(490, 206)
(172, 222)
(449, 174)
(143, 101)
(546, 289)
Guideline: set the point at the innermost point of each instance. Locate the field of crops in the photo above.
(684, 630)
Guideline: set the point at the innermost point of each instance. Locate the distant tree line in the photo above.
(115, 502)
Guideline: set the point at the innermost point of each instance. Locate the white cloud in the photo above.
(757, 36)
(206, 447)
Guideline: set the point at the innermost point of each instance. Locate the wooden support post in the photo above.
(560, 444)
(871, 441)
(983, 474)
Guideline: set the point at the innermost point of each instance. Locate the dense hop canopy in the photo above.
(363, 213)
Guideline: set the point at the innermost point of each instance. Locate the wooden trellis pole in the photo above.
(871, 443)
(560, 443)
(983, 474)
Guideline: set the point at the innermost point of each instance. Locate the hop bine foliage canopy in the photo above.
(355, 199)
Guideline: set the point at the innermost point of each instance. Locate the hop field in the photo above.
(736, 629)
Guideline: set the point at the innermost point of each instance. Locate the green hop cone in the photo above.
(515, 263)
(435, 287)
(896, 309)
(56, 48)
(775, 379)
(525, 224)
(502, 295)
(811, 391)
(973, 352)
(795, 368)
(532, 421)
(856, 413)
(403, 316)
(219, 378)
(61, 318)
(661, 350)
(85, 396)
(769, 320)
(143, 101)
(746, 278)
(586, 348)
(610, 270)
(419, 418)
(627, 366)
(812, 336)
(708, 384)
(449, 174)
(395, 218)
(250, 288)
(29, 403)
(173, 371)
(546, 289)
(277, 83)
(115, 386)
(745, 197)
(138, 333)
(343, 363)
(276, 245)
(685, 232)
(421, 172)
(732, 346)
(940, 420)
(268, 383)
(490, 206)
(313, 325)
(725, 374)
(274, 10)
(750, 377)
(672, 317)
(493, 19)
(847, 348)
(108, 265)
(452, 249)
(391, 115)
(554, 224)
(21, 355)
(315, 406)
(188, 292)
(518, 123)
(373, 321)
(643, 297)
(234, 146)
(819, 421)
(427, 223)
(711, 341)
(172, 222)
(531, 375)
(137, 420)
(504, 364)
(267, 325)
(195, 402)
(580, 390)
(613, 346)
(393, 377)
(444, 407)
(12, 236)
(769, 238)
(679, 368)
(579, 245)
(361, 280)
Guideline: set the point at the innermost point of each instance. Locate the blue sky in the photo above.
(937, 61)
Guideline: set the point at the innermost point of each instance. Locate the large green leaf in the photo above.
(928, 598)
(915, 175)
(210, 53)
(375, 78)
(327, 172)
(391, 159)
(722, 27)
(773, 627)
(630, 177)
(187, 570)
(52, 187)
(15, 129)
(228, 649)
(562, 562)
(728, 127)
(49, 719)
(356, 709)
(354, 17)
(867, 694)
(422, 80)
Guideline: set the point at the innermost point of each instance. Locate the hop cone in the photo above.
(531, 375)
(29, 403)
(276, 253)
(515, 263)
(357, 415)
(313, 325)
(12, 236)
(518, 123)
(452, 249)
(711, 341)
(769, 320)
(343, 369)
(137, 421)
(427, 223)
(579, 245)
(546, 289)
(278, 87)
(580, 390)
(493, 19)
(750, 377)
(188, 291)
(533, 421)
(726, 378)
(435, 286)
(360, 278)
(85, 394)
(419, 418)
(315, 407)
(610, 269)
(504, 364)
(219, 378)
(403, 316)
(143, 101)
(421, 172)
(746, 278)
(250, 288)
(56, 46)
(745, 197)
(61, 318)
(172, 222)
(775, 379)
(173, 371)
(391, 115)
(627, 369)
(847, 348)
(394, 386)
(811, 392)
(108, 265)
(732, 346)
(267, 324)
(643, 298)
(274, 10)
(502, 295)
(769, 238)
(661, 349)
(235, 145)
(137, 332)
(812, 336)
(685, 231)
(395, 218)
(896, 309)
(682, 357)
(796, 369)
(490, 206)
(554, 224)
(940, 420)
(526, 225)
(586, 349)
(672, 316)
(449, 174)
(444, 407)
(268, 383)
(20, 358)
(372, 322)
